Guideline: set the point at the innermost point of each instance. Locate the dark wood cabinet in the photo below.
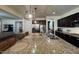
(69, 38)
(69, 21)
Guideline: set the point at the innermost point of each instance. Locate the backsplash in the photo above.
(74, 30)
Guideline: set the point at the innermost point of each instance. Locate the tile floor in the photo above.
(37, 43)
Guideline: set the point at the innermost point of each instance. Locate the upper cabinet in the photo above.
(69, 21)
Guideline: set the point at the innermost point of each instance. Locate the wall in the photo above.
(27, 25)
(9, 21)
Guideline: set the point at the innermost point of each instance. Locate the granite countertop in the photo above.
(41, 44)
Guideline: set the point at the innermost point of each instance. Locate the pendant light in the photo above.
(30, 12)
(35, 16)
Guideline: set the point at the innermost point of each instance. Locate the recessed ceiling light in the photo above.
(53, 13)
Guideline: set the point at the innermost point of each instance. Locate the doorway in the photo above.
(39, 26)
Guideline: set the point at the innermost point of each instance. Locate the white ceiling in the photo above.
(44, 10)
(5, 15)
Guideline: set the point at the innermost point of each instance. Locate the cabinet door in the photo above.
(60, 23)
(68, 21)
(76, 42)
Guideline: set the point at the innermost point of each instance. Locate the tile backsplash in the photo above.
(74, 30)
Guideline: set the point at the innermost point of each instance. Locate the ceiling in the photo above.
(47, 10)
(44, 10)
(6, 15)
(18, 8)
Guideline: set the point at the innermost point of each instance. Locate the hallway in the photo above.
(40, 43)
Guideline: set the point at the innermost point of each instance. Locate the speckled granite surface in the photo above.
(41, 44)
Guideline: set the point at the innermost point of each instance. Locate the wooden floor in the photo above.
(37, 43)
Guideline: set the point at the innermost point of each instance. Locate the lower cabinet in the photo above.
(71, 39)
